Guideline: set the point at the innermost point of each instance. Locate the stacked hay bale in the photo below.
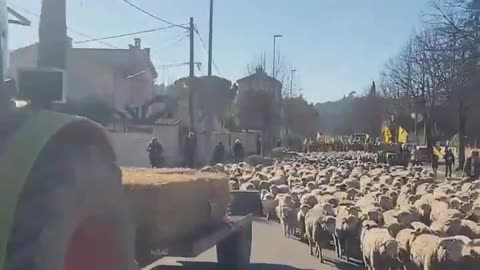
(171, 204)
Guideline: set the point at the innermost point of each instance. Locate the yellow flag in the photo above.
(387, 135)
(438, 152)
(402, 135)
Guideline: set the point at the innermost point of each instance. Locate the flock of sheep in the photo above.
(388, 217)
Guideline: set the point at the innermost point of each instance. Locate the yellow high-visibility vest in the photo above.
(402, 135)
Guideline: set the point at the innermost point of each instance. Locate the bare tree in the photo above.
(282, 68)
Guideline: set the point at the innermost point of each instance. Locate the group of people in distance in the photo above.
(471, 168)
(155, 152)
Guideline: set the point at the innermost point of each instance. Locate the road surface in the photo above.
(270, 251)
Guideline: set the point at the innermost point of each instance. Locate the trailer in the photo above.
(233, 245)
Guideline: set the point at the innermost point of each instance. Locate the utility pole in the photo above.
(210, 40)
(192, 75)
(192, 48)
(274, 53)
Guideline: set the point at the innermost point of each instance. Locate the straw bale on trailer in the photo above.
(170, 204)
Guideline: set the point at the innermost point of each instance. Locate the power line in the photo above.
(153, 16)
(206, 50)
(174, 41)
(69, 28)
(125, 35)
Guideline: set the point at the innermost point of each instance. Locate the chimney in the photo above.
(138, 43)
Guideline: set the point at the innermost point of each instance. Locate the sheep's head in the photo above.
(328, 209)
(354, 210)
(453, 248)
(413, 198)
(455, 203)
(233, 185)
(389, 248)
(250, 186)
(393, 195)
(264, 185)
(350, 223)
(274, 189)
(405, 218)
(386, 202)
(475, 210)
(453, 226)
(352, 193)
(304, 208)
(375, 215)
(269, 196)
(329, 224)
(442, 198)
(394, 228)
(425, 209)
(333, 201)
(369, 224)
(420, 228)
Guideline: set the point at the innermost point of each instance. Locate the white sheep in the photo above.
(347, 230)
(430, 252)
(405, 239)
(302, 212)
(380, 249)
(288, 219)
(247, 186)
(319, 228)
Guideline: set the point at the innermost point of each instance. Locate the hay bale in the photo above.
(169, 204)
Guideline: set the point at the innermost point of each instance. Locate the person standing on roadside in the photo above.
(238, 151)
(155, 151)
(472, 166)
(218, 154)
(190, 149)
(435, 159)
(449, 162)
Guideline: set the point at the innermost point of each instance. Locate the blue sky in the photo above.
(336, 46)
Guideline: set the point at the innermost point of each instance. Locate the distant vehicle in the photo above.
(423, 154)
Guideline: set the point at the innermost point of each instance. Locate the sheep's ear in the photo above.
(418, 232)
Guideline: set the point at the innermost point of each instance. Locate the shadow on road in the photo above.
(215, 266)
(342, 265)
(256, 266)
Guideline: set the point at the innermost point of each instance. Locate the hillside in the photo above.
(333, 114)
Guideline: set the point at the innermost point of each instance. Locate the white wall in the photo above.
(131, 148)
(168, 136)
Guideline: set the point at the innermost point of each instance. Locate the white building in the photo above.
(118, 77)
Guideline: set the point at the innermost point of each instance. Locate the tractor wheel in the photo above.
(71, 213)
(234, 252)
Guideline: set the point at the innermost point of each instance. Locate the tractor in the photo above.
(63, 205)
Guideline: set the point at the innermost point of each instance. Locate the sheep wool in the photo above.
(380, 249)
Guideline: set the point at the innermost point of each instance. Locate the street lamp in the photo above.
(274, 53)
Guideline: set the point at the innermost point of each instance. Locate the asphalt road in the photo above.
(270, 251)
